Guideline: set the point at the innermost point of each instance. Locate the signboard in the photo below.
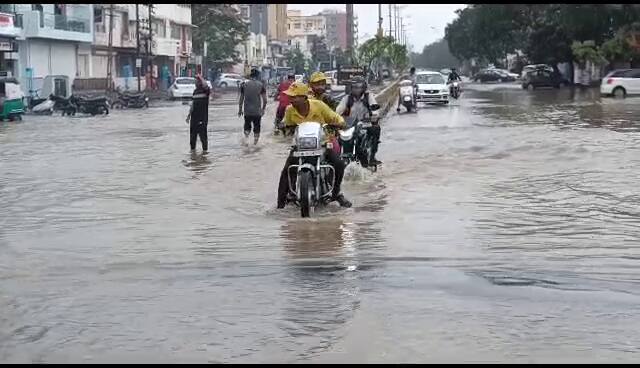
(345, 73)
(6, 46)
(138, 63)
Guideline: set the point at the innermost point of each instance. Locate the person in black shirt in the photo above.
(199, 114)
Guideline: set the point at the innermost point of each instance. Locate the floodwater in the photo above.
(502, 228)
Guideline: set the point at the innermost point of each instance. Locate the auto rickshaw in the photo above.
(11, 99)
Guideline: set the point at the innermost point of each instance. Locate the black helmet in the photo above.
(359, 80)
(413, 69)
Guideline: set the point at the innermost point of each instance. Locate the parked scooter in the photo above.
(127, 100)
(89, 105)
(44, 108)
(62, 104)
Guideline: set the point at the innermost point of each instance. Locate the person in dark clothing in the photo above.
(199, 114)
(453, 76)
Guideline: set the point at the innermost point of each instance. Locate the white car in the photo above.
(432, 88)
(229, 80)
(620, 83)
(183, 87)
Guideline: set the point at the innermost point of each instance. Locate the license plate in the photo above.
(307, 153)
(366, 125)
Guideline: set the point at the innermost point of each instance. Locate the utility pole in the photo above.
(350, 43)
(390, 24)
(380, 33)
(149, 54)
(110, 57)
(138, 43)
(397, 33)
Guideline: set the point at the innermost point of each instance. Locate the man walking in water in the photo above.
(251, 92)
(199, 114)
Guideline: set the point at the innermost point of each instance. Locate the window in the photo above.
(175, 31)
(159, 29)
(430, 79)
(309, 25)
(97, 15)
(185, 81)
(635, 73)
(244, 12)
(59, 9)
(125, 25)
(296, 26)
(289, 26)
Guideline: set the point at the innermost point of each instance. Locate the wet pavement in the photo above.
(502, 228)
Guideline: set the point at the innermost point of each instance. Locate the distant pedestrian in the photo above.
(251, 92)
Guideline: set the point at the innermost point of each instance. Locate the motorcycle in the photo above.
(454, 90)
(62, 104)
(356, 143)
(315, 178)
(89, 105)
(407, 95)
(130, 100)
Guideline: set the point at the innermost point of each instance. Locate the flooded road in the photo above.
(502, 228)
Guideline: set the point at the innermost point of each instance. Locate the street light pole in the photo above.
(138, 43)
(380, 33)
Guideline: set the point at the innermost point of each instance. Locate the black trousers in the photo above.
(198, 129)
(255, 120)
(330, 156)
(375, 131)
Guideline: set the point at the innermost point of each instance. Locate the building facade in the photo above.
(336, 23)
(53, 39)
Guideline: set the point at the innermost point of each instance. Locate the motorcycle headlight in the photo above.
(146, 98)
(307, 143)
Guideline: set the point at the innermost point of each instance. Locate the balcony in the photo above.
(9, 26)
(57, 27)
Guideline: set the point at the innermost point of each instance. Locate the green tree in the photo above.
(398, 57)
(222, 27)
(435, 56)
(295, 59)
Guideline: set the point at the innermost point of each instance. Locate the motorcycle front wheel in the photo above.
(306, 194)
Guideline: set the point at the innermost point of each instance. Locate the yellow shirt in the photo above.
(319, 112)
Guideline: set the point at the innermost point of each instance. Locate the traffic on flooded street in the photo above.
(500, 227)
(310, 183)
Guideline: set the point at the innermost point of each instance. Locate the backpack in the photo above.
(351, 101)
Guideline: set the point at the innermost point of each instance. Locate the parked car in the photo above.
(506, 72)
(229, 80)
(432, 88)
(542, 77)
(620, 83)
(532, 67)
(492, 75)
(182, 87)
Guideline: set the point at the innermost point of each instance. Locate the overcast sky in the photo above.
(426, 21)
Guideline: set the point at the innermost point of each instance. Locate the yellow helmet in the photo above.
(317, 77)
(297, 89)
